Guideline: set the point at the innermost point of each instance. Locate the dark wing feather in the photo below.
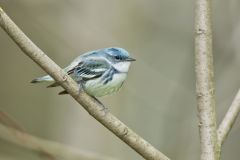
(55, 84)
(89, 69)
(86, 70)
(63, 92)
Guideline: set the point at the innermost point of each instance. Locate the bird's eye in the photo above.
(118, 57)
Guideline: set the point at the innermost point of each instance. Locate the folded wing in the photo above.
(86, 70)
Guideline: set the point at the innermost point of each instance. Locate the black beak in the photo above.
(130, 59)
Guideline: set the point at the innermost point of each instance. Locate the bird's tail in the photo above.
(46, 78)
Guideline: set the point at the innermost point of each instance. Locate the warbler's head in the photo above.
(119, 58)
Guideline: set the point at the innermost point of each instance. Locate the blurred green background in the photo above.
(158, 98)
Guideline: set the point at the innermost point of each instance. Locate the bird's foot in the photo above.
(103, 107)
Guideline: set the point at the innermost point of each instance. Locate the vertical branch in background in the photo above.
(204, 81)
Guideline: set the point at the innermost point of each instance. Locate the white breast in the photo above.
(122, 66)
(98, 89)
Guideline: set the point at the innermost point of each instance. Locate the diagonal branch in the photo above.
(229, 119)
(204, 81)
(6, 120)
(53, 150)
(92, 106)
(11, 131)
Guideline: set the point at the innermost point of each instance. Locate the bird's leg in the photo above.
(104, 108)
(80, 87)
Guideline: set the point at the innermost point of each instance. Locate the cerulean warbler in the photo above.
(99, 72)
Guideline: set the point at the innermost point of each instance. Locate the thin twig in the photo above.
(229, 119)
(204, 81)
(50, 149)
(92, 106)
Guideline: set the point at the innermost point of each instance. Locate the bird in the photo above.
(100, 72)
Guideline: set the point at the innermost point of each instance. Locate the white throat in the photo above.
(122, 66)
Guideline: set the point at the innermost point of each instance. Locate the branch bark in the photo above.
(204, 81)
(92, 106)
(229, 119)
